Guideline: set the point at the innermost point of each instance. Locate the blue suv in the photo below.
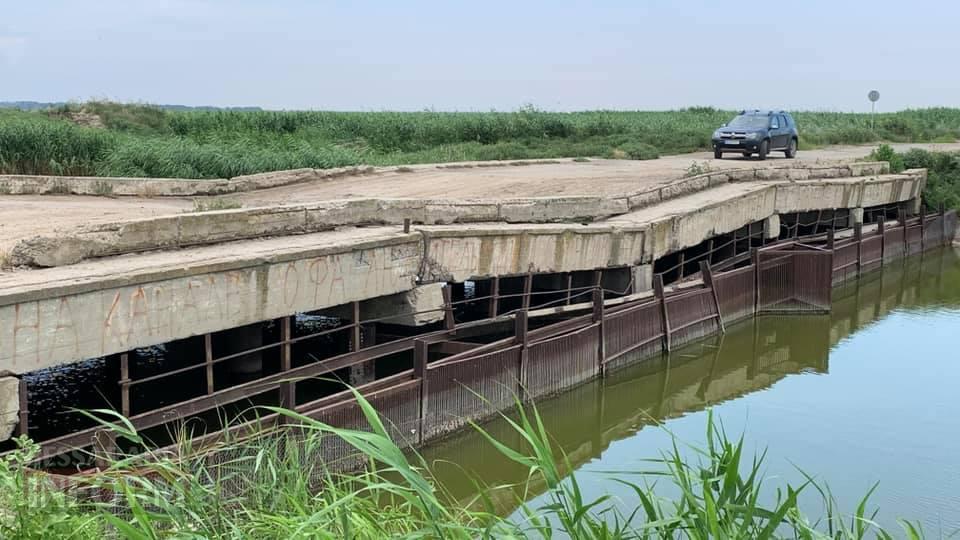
(757, 132)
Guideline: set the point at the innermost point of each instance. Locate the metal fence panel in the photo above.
(914, 239)
(735, 291)
(950, 226)
(933, 232)
(775, 290)
(470, 389)
(812, 281)
(633, 328)
(563, 361)
(871, 253)
(398, 408)
(845, 261)
(893, 246)
(692, 315)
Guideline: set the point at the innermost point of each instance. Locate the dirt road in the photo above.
(23, 216)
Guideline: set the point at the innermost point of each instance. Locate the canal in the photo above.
(866, 394)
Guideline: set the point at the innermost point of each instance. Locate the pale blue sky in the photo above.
(558, 55)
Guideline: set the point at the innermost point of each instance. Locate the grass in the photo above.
(696, 169)
(276, 487)
(144, 141)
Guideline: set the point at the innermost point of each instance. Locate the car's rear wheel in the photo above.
(791, 151)
(717, 154)
(764, 150)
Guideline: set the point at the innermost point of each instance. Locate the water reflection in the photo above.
(751, 358)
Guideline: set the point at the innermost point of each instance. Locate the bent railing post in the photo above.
(664, 317)
(23, 427)
(449, 323)
(521, 330)
(881, 230)
(527, 289)
(598, 320)
(707, 274)
(420, 358)
(208, 362)
(755, 258)
(288, 390)
(945, 240)
(125, 385)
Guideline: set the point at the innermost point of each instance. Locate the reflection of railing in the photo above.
(478, 380)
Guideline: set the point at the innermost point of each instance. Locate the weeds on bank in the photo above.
(696, 169)
(276, 487)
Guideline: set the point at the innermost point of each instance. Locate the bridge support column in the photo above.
(856, 217)
(913, 207)
(9, 406)
(771, 227)
(642, 278)
(409, 307)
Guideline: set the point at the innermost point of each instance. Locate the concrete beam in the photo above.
(482, 251)
(409, 305)
(41, 328)
(9, 406)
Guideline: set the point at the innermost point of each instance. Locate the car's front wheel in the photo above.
(764, 150)
(791, 151)
(717, 154)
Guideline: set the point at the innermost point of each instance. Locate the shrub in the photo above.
(885, 152)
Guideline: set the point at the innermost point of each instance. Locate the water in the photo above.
(865, 394)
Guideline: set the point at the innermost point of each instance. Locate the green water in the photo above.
(867, 393)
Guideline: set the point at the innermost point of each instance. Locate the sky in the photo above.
(454, 55)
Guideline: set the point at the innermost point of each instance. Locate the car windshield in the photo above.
(749, 122)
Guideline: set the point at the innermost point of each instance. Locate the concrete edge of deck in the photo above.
(192, 229)
(112, 186)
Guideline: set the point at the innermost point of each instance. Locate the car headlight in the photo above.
(716, 134)
(753, 136)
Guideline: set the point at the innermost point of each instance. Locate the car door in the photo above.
(776, 132)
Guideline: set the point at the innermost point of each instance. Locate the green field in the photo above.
(145, 141)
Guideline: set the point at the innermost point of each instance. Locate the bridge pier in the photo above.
(771, 227)
(642, 278)
(407, 308)
(855, 218)
(9, 406)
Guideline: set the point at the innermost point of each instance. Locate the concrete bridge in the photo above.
(110, 288)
